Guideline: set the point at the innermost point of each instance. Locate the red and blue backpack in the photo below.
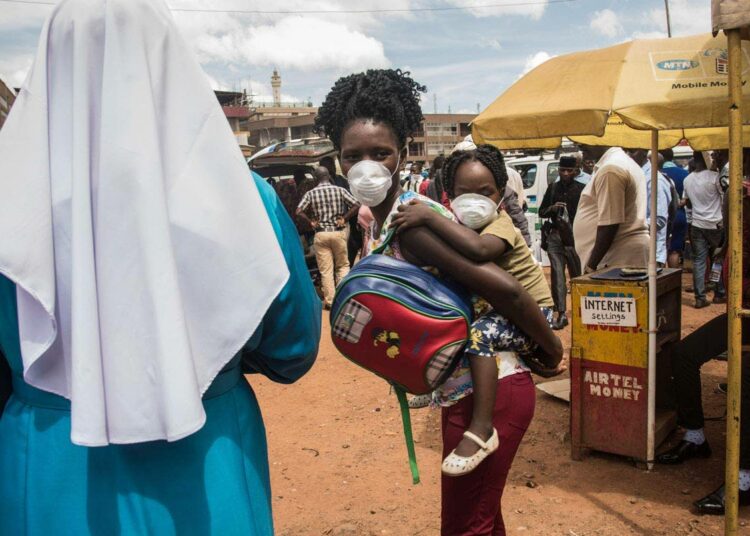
(403, 324)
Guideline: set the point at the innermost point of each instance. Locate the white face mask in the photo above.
(474, 211)
(370, 181)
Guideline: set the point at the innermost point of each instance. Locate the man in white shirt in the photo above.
(610, 226)
(703, 195)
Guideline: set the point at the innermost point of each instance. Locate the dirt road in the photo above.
(339, 465)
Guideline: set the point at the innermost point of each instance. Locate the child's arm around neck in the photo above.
(423, 247)
(467, 242)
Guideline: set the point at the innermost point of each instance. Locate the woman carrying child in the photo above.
(369, 117)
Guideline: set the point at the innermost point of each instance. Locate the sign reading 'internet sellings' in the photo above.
(608, 311)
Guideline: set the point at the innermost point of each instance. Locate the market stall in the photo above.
(641, 94)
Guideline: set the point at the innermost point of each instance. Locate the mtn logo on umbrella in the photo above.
(677, 65)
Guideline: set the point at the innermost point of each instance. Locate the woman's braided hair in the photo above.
(384, 95)
(488, 155)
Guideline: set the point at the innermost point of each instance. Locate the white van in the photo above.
(537, 172)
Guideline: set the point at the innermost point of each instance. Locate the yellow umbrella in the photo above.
(616, 134)
(611, 95)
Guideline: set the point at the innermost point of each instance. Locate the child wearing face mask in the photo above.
(474, 181)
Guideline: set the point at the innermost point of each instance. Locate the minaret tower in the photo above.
(276, 85)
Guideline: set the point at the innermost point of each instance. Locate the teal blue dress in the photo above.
(215, 481)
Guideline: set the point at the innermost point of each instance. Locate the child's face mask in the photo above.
(474, 211)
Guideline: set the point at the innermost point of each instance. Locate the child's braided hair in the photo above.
(384, 95)
(488, 155)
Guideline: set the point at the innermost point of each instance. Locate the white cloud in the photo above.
(533, 11)
(534, 61)
(17, 56)
(487, 42)
(688, 17)
(307, 42)
(13, 69)
(607, 23)
(216, 84)
(296, 42)
(213, 22)
(239, 41)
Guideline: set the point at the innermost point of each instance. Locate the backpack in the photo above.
(403, 324)
(400, 322)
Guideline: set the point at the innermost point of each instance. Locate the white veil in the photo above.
(140, 247)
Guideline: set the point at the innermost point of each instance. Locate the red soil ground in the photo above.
(339, 465)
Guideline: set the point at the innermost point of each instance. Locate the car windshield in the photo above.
(553, 172)
(528, 174)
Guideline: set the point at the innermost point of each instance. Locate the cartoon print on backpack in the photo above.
(390, 338)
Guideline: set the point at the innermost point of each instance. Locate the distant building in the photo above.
(7, 98)
(439, 134)
(236, 106)
(276, 121)
(290, 121)
(258, 124)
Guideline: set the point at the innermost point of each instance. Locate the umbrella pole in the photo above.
(651, 420)
(734, 342)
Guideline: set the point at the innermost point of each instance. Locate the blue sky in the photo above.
(466, 56)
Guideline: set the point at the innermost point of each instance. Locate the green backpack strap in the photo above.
(406, 418)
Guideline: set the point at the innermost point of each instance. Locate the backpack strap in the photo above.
(406, 419)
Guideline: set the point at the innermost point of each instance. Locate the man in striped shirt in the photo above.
(328, 208)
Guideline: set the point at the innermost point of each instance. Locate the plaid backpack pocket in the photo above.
(351, 321)
(442, 361)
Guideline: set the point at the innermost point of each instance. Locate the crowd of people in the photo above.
(144, 270)
(689, 221)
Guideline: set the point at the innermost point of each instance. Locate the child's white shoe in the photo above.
(455, 465)
(420, 401)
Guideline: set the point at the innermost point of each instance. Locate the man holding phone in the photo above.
(560, 205)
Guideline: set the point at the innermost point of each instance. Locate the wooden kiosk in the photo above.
(609, 361)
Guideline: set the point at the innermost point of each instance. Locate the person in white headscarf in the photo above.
(142, 270)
